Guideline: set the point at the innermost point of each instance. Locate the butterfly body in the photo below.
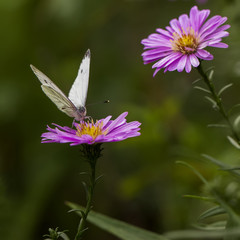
(74, 104)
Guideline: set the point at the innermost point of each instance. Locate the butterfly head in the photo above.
(81, 113)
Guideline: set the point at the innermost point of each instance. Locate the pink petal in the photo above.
(220, 45)
(163, 61)
(164, 33)
(194, 19)
(173, 66)
(182, 63)
(202, 17)
(118, 121)
(156, 71)
(184, 22)
(203, 54)
(176, 26)
(188, 66)
(194, 60)
(170, 29)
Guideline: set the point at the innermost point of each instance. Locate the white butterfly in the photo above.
(74, 104)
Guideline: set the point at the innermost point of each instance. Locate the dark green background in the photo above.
(141, 183)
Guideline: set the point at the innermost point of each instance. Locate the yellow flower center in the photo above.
(91, 128)
(186, 43)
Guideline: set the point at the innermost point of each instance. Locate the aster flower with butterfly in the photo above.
(86, 132)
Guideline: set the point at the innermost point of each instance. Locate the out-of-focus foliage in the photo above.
(141, 183)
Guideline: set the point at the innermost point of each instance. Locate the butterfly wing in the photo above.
(78, 91)
(56, 95)
(61, 102)
(45, 80)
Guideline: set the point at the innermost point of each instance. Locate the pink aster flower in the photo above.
(183, 43)
(104, 130)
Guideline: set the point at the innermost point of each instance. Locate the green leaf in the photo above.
(64, 236)
(206, 199)
(85, 186)
(233, 142)
(118, 228)
(80, 212)
(224, 88)
(231, 109)
(98, 178)
(197, 80)
(210, 69)
(214, 104)
(223, 166)
(219, 225)
(236, 122)
(217, 210)
(198, 234)
(214, 161)
(202, 89)
(218, 125)
(194, 170)
(231, 169)
(210, 76)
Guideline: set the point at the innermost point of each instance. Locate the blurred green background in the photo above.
(141, 184)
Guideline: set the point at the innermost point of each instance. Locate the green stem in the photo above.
(218, 100)
(91, 153)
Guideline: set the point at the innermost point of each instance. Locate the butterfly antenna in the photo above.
(106, 101)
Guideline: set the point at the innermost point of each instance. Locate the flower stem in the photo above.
(218, 101)
(91, 153)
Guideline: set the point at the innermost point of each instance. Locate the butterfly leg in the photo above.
(73, 123)
(88, 118)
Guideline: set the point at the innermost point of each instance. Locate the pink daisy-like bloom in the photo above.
(104, 130)
(183, 43)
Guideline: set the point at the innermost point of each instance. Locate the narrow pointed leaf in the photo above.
(236, 122)
(218, 125)
(224, 88)
(219, 225)
(214, 161)
(199, 234)
(79, 211)
(231, 169)
(206, 199)
(223, 166)
(211, 101)
(85, 189)
(210, 76)
(231, 109)
(194, 170)
(98, 178)
(210, 69)
(212, 212)
(233, 142)
(197, 80)
(202, 89)
(64, 236)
